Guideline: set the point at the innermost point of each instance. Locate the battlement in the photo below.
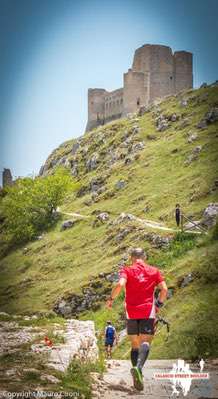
(156, 72)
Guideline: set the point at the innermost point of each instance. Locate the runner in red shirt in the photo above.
(140, 281)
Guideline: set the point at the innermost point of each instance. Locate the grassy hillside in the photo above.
(152, 164)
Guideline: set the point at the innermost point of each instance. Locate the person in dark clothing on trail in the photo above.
(110, 337)
(178, 215)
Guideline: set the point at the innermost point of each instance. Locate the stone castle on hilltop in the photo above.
(156, 72)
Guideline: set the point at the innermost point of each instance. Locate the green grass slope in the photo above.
(62, 262)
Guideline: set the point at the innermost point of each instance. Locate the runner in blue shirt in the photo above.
(110, 337)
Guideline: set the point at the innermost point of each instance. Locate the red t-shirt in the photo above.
(141, 280)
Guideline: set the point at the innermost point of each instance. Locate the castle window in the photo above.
(121, 101)
(171, 77)
(138, 101)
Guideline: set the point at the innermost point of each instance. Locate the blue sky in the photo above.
(52, 51)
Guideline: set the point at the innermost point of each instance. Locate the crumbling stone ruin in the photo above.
(7, 179)
(156, 72)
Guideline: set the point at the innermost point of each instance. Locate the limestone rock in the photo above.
(186, 280)
(92, 163)
(12, 336)
(96, 184)
(113, 277)
(192, 137)
(122, 234)
(173, 117)
(197, 149)
(82, 191)
(75, 147)
(161, 123)
(80, 343)
(49, 378)
(123, 217)
(74, 168)
(135, 129)
(210, 215)
(203, 86)
(138, 146)
(202, 124)
(212, 115)
(120, 184)
(67, 224)
(103, 217)
(158, 241)
(194, 155)
(183, 103)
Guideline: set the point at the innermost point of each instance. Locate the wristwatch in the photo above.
(158, 303)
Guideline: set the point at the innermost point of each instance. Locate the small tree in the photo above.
(29, 204)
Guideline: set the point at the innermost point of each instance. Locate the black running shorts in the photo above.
(140, 326)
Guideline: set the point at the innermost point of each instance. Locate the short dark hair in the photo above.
(138, 253)
(177, 205)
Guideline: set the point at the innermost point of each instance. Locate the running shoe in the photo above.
(137, 378)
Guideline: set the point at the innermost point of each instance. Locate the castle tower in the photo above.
(6, 178)
(96, 99)
(183, 70)
(157, 62)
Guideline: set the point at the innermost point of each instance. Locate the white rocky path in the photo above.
(117, 382)
(145, 222)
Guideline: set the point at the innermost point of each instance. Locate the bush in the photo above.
(181, 243)
(28, 208)
(78, 377)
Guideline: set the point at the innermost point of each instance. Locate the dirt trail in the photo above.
(117, 382)
(144, 222)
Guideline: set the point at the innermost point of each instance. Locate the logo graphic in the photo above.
(181, 376)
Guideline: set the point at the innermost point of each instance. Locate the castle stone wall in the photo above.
(156, 72)
(113, 103)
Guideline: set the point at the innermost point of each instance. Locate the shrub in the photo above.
(29, 205)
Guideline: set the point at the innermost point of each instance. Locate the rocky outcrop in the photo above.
(210, 117)
(158, 241)
(12, 336)
(80, 343)
(67, 224)
(93, 293)
(92, 162)
(210, 215)
(194, 155)
(192, 137)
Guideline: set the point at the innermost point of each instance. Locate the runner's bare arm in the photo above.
(116, 291)
(163, 291)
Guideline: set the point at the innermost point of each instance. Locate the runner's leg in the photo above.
(145, 341)
(134, 339)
